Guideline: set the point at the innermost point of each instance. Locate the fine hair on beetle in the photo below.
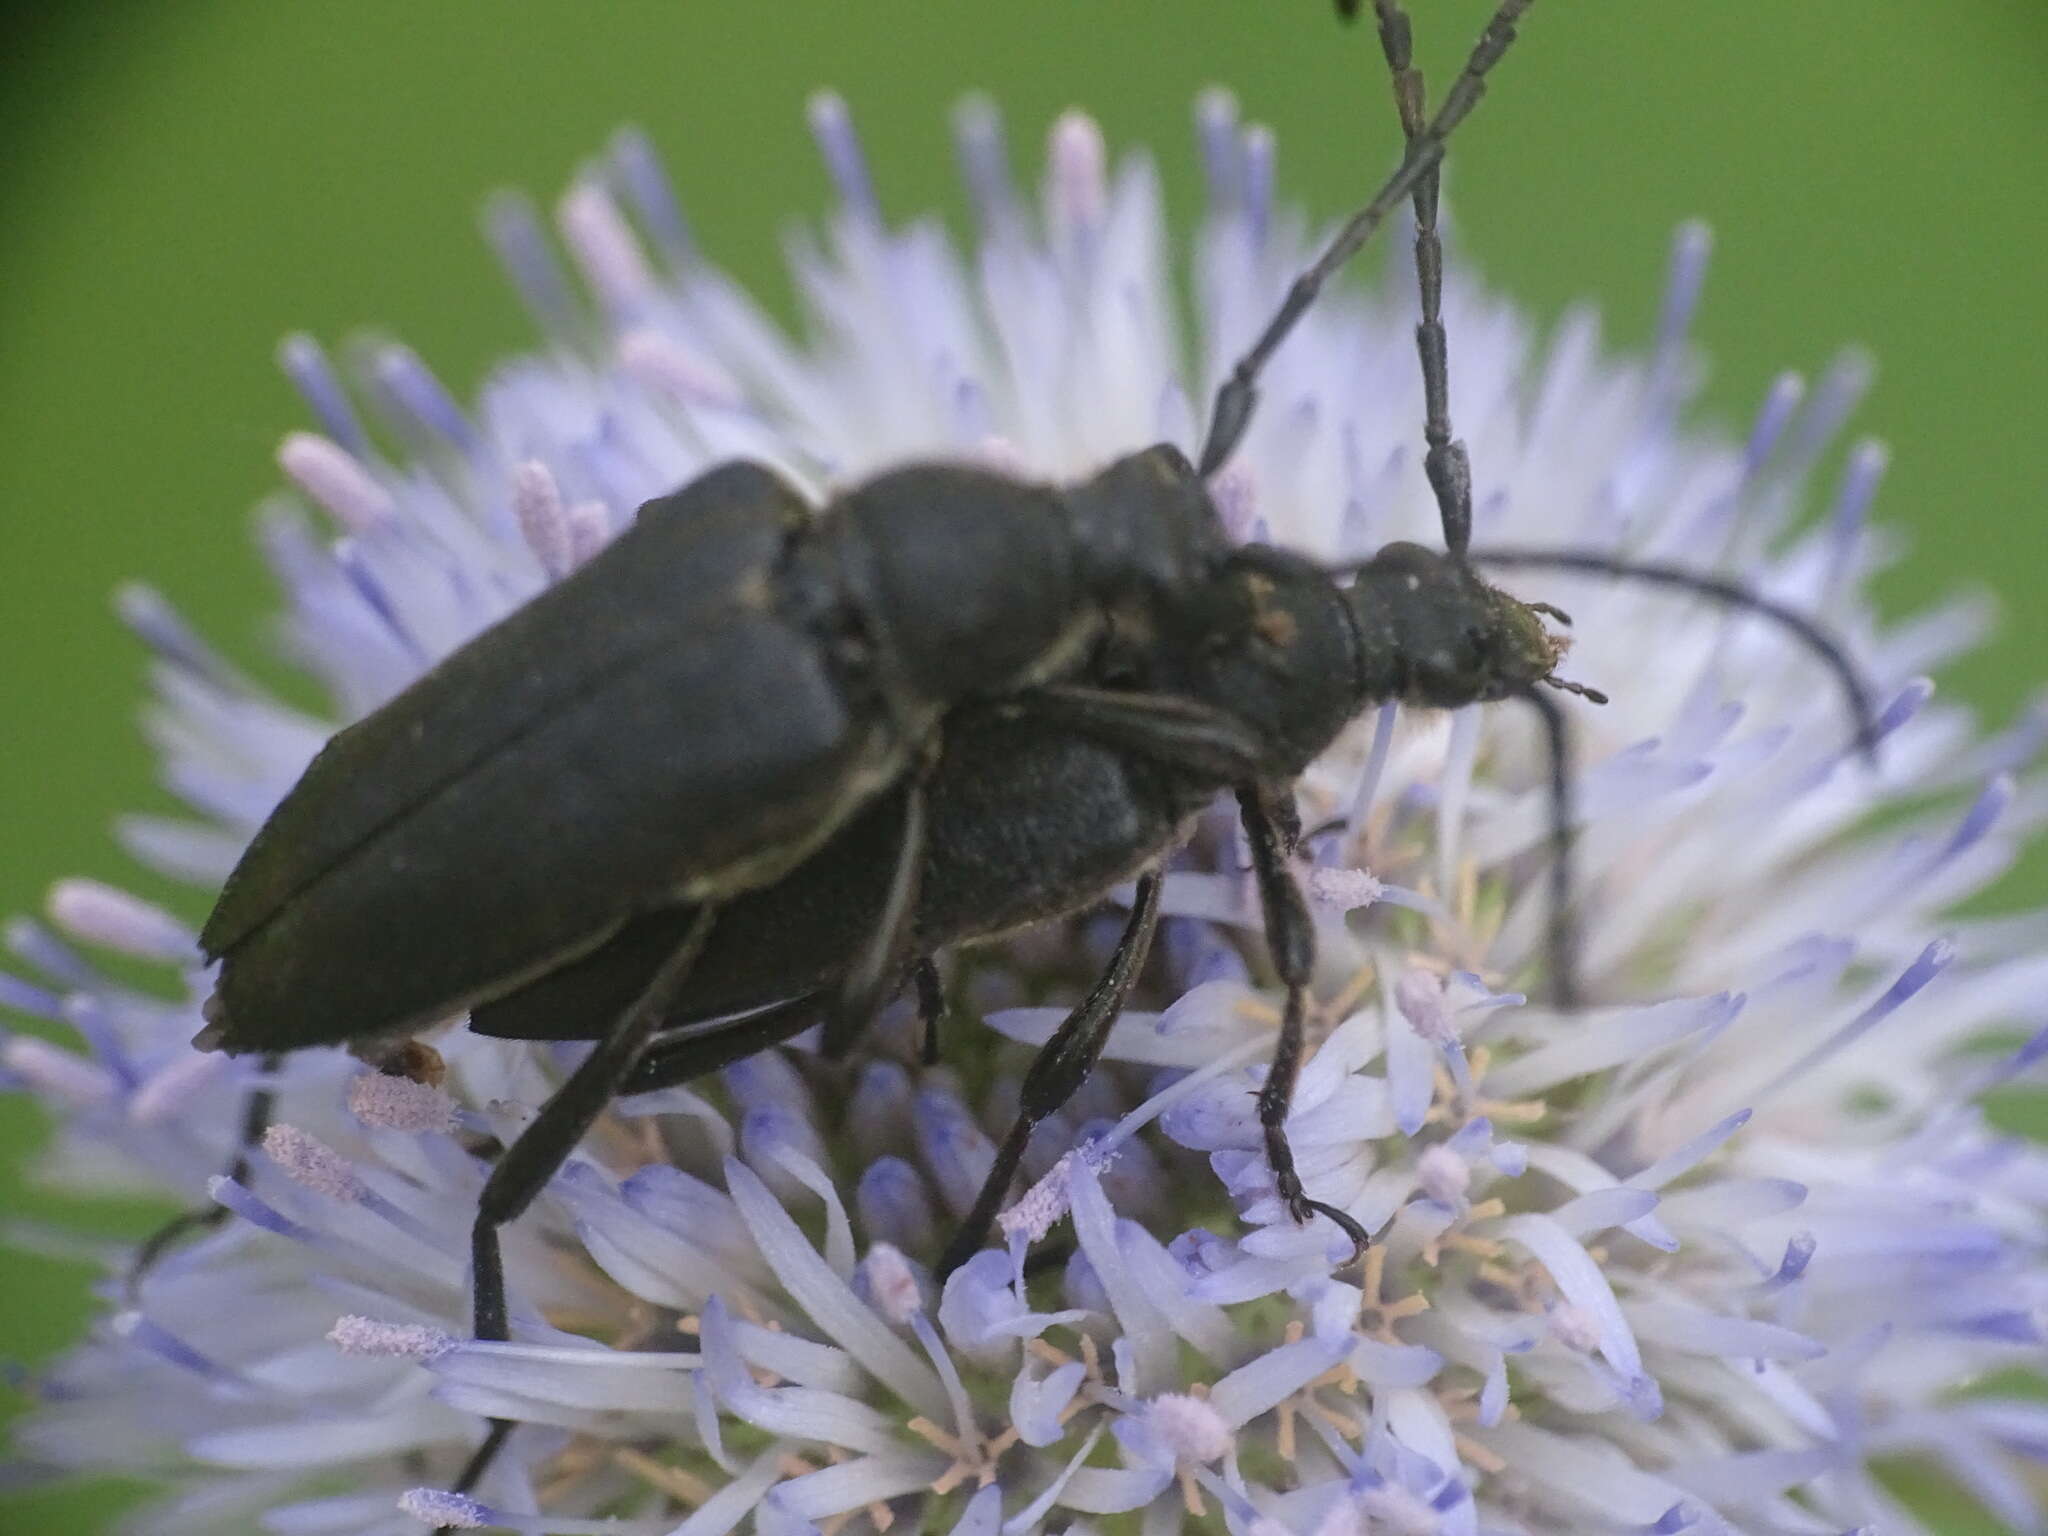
(946, 705)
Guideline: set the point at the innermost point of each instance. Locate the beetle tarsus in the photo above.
(1345, 1222)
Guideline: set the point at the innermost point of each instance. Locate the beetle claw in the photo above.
(1304, 1210)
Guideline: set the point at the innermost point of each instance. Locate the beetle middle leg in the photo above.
(1291, 941)
(527, 1165)
(1061, 1066)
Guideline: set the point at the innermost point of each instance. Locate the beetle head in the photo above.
(1434, 634)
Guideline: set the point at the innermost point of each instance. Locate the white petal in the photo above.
(828, 1301)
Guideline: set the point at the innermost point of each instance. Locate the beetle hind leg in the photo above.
(526, 1166)
(256, 1110)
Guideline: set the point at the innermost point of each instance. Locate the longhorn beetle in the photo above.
(950, 702)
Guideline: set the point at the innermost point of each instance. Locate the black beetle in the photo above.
(693, 712)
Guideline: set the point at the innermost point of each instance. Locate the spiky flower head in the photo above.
(1687, 1261)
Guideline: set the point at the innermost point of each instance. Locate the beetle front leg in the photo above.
(534, 1157)
(1061, 1066)
(1291, 941)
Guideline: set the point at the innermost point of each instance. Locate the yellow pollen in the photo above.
(1259, 1011)
(1501, 1276)
(1352, 993)
(1467, 902)
(1480, 1457)
(1191, 1493)
(684, 1487)
(929, 1432)
(1478, 1247)
(1091, 1358)
(1375, 1272)
(1343, 1423)
(1511, 1111)
(1407, 1306)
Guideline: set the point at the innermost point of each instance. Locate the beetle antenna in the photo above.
(1561, 933)
(1446, 463)
(1566, 685)
(1235, 401)
(1732, 594)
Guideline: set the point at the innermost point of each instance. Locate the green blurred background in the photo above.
(183, 184)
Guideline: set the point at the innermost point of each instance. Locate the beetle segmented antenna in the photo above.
(1560, 933)
(1238, 397)
(1446, 463)
(1566, 685)
(1729, 593)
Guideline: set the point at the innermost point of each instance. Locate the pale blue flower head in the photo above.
(1688, 1261)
